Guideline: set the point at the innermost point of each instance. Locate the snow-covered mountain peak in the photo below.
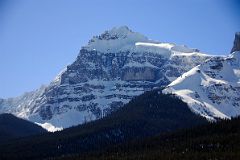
(122, 32)
(117, 32)
(211, 89)
(122, 39)
(112, 69)
(115, 40)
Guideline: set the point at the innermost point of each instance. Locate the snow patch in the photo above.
(49, 127)
(158, 45)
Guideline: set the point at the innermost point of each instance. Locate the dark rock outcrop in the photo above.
(236, 44)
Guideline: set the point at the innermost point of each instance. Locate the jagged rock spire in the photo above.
(236, 44)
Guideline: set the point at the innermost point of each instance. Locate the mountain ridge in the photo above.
(12, 127)
(212, 89)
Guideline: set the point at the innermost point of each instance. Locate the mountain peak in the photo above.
(116, 33)
(122, 39)
(109, 71)
(122, 31)
(115, 39)
(236, 45)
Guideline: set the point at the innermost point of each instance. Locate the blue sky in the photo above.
(38, 38)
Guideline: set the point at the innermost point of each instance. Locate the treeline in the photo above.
(145, 116)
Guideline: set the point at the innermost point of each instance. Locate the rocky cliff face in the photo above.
(108, 72)
(236, 45)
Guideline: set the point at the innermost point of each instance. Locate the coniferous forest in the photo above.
(215, 141)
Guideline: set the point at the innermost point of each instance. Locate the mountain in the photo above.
(12, 127)
(147, 115)
(109, 71)
(212, 89)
